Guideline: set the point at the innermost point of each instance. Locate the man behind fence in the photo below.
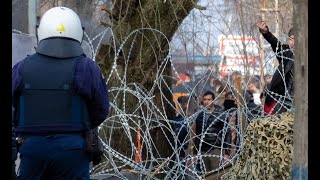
(211, 137)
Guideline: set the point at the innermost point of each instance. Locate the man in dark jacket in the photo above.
(279, 98)
(58, 94)
(211, 130)
(182, 132)
(181, 126)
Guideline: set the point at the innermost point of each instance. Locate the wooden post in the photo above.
(262, 48)
(300, 142)
(277, 33)
(241, 104)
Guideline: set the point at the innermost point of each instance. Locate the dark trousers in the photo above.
(207, 164)
(57, 157)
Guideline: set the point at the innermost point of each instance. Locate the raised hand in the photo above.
(263, 28)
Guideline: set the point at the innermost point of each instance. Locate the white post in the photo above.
(33, 9)
(277, 18)
(262, 48)
(276, 63)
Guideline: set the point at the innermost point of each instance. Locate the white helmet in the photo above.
(60, 22)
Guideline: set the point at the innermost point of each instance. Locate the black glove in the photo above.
(94, 146)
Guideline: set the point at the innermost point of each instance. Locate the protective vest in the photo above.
(47, 103)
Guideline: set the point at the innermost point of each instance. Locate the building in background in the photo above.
(239, 54)
(197, 65)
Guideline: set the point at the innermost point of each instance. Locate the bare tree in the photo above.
(142, 32)
(245, 14)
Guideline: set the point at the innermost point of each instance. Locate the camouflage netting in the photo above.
(267, 149)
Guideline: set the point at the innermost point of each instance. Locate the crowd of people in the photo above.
(214, 133)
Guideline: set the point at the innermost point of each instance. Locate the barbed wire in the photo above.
(115, 161)
(155, 118)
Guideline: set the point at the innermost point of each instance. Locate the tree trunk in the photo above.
(300, 150)
(141, 61)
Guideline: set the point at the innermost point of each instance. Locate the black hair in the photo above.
(174, 81)
(291, 32)
(182, 99)
(248, 94)
(209, 93)
(228, 93)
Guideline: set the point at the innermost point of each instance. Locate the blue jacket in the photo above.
(88, 83)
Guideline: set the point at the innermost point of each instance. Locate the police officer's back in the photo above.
(58, 94)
